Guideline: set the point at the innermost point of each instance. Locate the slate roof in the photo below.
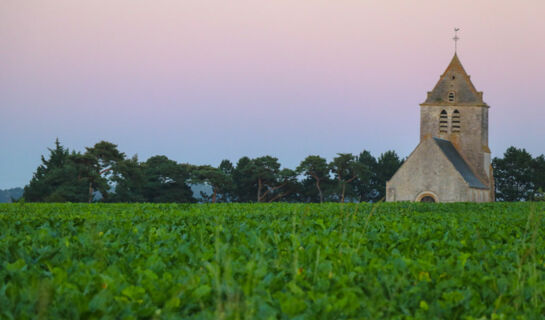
(459, 163)
(455, 79)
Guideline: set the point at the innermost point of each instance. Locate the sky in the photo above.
(201, 81)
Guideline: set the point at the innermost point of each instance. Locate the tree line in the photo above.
(103, 173)
(519, 176)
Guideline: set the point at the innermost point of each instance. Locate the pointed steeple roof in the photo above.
(455, 84)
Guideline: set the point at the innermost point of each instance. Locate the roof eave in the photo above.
(450, 104)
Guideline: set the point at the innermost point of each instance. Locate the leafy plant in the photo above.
(272, 261)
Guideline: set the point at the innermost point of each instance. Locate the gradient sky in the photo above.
(201, 81)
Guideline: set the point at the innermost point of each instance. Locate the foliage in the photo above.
(365, 187)
(104, 170)
(538, 173)
(387, 165)
(316, 171)
(129, 181)
(287, 188)
(262, 180)
(372, 185)
(272, 261)
(58, 179)
(346, 169)
(517, 175)
(74, 177)
(244, 182)
(217, 178)
(265, 171)
(165, 181)
(100, 160)
(105, 174)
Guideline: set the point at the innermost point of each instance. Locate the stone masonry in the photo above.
(452, 161)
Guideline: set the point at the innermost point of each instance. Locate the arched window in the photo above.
(451, 96)
(456, 121)
(443, 121)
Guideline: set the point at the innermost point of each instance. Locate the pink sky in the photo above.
(201, 81)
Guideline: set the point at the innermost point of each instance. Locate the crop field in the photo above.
(272, 261)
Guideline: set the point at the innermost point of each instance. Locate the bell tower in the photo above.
(455, 111)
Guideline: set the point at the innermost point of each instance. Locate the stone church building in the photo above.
(452, 161)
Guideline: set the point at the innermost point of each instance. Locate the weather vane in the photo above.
(456, 38)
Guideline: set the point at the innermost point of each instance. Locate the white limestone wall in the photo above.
(428, 170)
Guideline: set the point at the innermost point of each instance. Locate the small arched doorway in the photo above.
(427, 196)
(429, 199)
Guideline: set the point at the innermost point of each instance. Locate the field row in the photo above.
(269, 261)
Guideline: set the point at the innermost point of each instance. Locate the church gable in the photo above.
(427, 169)
(454, 87)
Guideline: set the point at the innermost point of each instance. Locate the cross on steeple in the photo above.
(456, 38)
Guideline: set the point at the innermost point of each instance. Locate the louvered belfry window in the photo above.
(443, 121)
(451, 96)
(456, 121)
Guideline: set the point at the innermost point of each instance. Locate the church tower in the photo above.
(452, 161)
(455, 111)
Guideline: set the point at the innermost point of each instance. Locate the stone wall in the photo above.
(428, 170)
(471, 141)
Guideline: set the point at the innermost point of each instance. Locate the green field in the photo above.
(272, 261)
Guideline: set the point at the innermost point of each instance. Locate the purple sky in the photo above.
(201, 81)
